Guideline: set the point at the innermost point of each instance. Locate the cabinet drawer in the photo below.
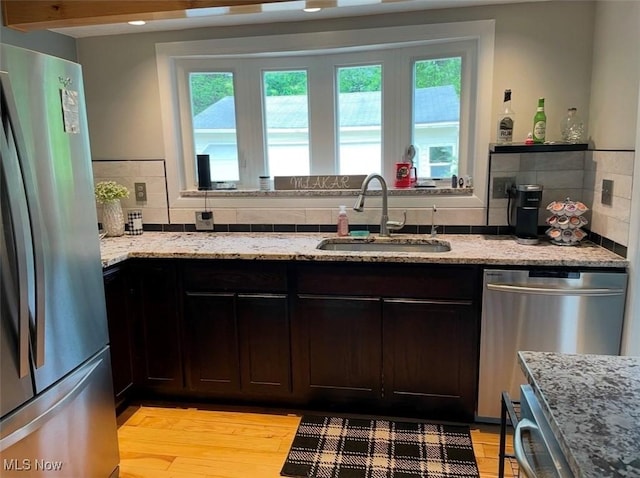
(389, 280)
(236, 276)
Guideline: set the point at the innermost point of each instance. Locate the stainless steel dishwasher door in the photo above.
(543, 311)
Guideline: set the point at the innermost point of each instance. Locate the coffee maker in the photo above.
(527, 204)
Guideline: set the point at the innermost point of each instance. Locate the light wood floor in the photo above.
(160, 442)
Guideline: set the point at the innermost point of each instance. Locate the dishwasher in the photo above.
(544, 311)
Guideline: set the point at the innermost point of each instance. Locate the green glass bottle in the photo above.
(539, 123)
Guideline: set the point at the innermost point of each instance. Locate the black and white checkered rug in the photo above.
(330, 447)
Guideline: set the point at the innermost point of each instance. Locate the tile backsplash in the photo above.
(610, 221)
(574, 174)
(152, 172)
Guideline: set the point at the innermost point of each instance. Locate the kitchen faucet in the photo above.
(385, 225)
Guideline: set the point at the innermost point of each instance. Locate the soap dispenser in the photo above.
(343, 222)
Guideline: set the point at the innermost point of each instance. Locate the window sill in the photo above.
(248, 193)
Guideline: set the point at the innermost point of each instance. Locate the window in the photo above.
(436, 115)
(359, 119)
(214, 122)
(286, 122)
(317, 103)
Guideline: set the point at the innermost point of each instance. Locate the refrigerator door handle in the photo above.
(16, 144)
(11, 180)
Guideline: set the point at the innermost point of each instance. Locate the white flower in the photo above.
(110, 190)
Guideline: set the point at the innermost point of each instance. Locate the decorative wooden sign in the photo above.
(317, 182)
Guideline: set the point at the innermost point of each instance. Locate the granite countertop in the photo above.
(592, 403)
(465, 249)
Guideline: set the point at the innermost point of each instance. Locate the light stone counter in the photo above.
(465, 249)
(592, 403)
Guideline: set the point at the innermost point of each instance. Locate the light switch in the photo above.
(607, 192)
(141, 192)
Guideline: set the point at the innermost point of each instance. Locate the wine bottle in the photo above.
(539, 123)
(505, 121)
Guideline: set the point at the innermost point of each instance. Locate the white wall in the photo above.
(542, 49)
(615, 108)
(616, 72)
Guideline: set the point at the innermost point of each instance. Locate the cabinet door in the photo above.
(158, 354)
(117, 298)
(430, 356)
(265, 344)
(338, 348)
(212, 342)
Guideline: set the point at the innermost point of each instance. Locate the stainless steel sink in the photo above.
(398, 245)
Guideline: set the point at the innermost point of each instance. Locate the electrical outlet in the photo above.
(501, 187)
(141, 192)
(607, 192)
(204, 221)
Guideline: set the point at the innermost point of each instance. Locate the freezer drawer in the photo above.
(544, 311)
(67, 431)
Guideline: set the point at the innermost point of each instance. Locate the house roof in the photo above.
(433, 105)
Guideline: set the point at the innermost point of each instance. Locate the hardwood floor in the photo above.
(161, 442)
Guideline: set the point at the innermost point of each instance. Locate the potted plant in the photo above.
(109, 193)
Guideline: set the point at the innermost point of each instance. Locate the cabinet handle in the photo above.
(262, 296)
(428, 301)
(337, 297)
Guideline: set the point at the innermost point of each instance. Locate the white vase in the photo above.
(113, 218)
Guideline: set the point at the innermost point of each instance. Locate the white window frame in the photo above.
(176, 60)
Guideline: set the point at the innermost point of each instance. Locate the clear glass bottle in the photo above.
(572, 127)
(540, 123)
(506, 121)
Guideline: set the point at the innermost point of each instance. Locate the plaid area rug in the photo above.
(329, 447)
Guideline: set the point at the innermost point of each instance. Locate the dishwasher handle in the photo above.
(523, 425)
(525, 289)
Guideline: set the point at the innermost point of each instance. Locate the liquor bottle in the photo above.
(539, 123)
(505, 121)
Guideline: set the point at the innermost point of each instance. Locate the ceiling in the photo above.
(284, 11)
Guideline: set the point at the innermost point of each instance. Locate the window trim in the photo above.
(173, 57)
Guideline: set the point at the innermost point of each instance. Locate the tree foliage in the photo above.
(285, 83)
(438, 72)
(208, 88)
(360, 78)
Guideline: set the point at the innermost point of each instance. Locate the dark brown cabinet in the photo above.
(211, 342)
(117, 298)
(265, 344)
(396, 338)
(430, 356)
(237, 322)
(158, 352)
(338, 348)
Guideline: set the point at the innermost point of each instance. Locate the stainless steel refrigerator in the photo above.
(57, 415)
